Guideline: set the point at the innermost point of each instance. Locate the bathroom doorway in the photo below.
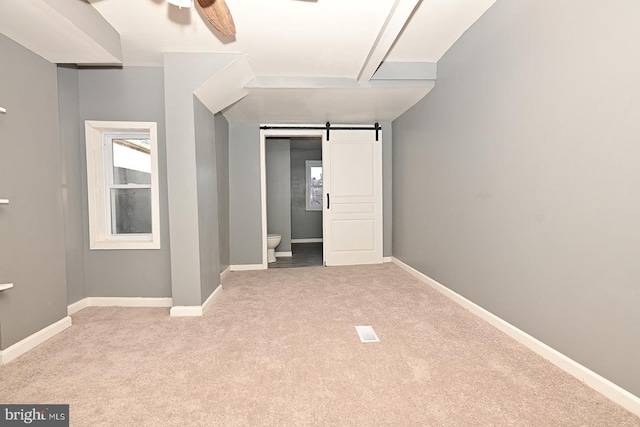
(294, 201)
(352, 227)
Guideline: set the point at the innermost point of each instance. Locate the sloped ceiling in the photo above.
(434, 27)
(292, 40)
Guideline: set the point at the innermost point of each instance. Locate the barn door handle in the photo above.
(328, 201)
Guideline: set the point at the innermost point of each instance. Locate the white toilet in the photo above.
(273, 240)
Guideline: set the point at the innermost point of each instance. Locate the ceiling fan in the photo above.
(216, 11)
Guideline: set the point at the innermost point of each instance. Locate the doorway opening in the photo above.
(294, 201)
(352, 224)
(291, 166)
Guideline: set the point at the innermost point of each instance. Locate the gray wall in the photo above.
(128, 94)
(72, 159)
(32, 246)
(387, 188)
(515, 180)
(184, 73)
(278, 171)
(304, 224)
(245, 208)
(222, 169)
(207, 199)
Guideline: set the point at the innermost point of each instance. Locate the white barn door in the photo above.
(352, 190)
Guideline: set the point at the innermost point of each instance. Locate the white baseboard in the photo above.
(195, 310)
(225, 273)
(284, 254)
(186, 311)
(316, 240)
(247, 267)
(614, 392)
(146, 302)
(77, 306)
(209, 301)
(387, 259)
(26, 344)
(129, 302)
(118, 302)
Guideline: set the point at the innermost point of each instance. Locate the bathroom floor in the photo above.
(304, 255)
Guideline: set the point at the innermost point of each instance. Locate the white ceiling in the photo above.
(280, 37)
(289, 39)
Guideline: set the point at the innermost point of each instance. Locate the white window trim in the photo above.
(308, 165)
(100, 236)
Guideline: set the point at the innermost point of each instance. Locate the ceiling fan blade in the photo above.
(218, 14)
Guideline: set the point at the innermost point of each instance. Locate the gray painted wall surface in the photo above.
(207, 199)
(222, 169)
(128, 94)
(516, 179)
(245, 209)
(71, 149)
(183, 74)
(304, 224)
(279, 191)
(32, 248)
(387, 189)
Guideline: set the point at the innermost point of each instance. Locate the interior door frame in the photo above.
(279, 133)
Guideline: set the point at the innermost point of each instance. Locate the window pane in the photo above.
(315, 197)
(131, 161)
(130, 211)
(316, 176)
(314, 185)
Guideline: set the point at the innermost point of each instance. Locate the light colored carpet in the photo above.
(279, 348)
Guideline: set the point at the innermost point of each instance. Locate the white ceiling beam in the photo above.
(61, 31)
(339, 105)
(227, 86)
(398, 17)
(301, 99)
(88, 20)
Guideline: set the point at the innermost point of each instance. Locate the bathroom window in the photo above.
(314, 185)
(122, 177)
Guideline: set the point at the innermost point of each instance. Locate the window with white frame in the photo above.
(314, 185)
(122, 183)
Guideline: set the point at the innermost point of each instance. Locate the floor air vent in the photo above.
(367, 334)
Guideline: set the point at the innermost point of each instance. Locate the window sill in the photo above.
(111, 245)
